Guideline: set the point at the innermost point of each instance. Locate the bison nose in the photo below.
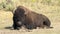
(19, 23)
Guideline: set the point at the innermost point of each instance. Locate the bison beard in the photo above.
(29, 19)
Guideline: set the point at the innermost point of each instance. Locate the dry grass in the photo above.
(52, 12)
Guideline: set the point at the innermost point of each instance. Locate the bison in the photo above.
(30, 19)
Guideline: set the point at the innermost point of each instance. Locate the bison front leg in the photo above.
(30, 26)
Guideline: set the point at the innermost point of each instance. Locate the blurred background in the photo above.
(50, 8)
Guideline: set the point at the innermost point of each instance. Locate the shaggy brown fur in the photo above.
(29, 19)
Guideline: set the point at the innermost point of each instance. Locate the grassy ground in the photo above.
(51, 11)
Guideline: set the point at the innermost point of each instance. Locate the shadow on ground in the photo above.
(9, 27)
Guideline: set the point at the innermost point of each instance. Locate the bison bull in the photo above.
(30, 19)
